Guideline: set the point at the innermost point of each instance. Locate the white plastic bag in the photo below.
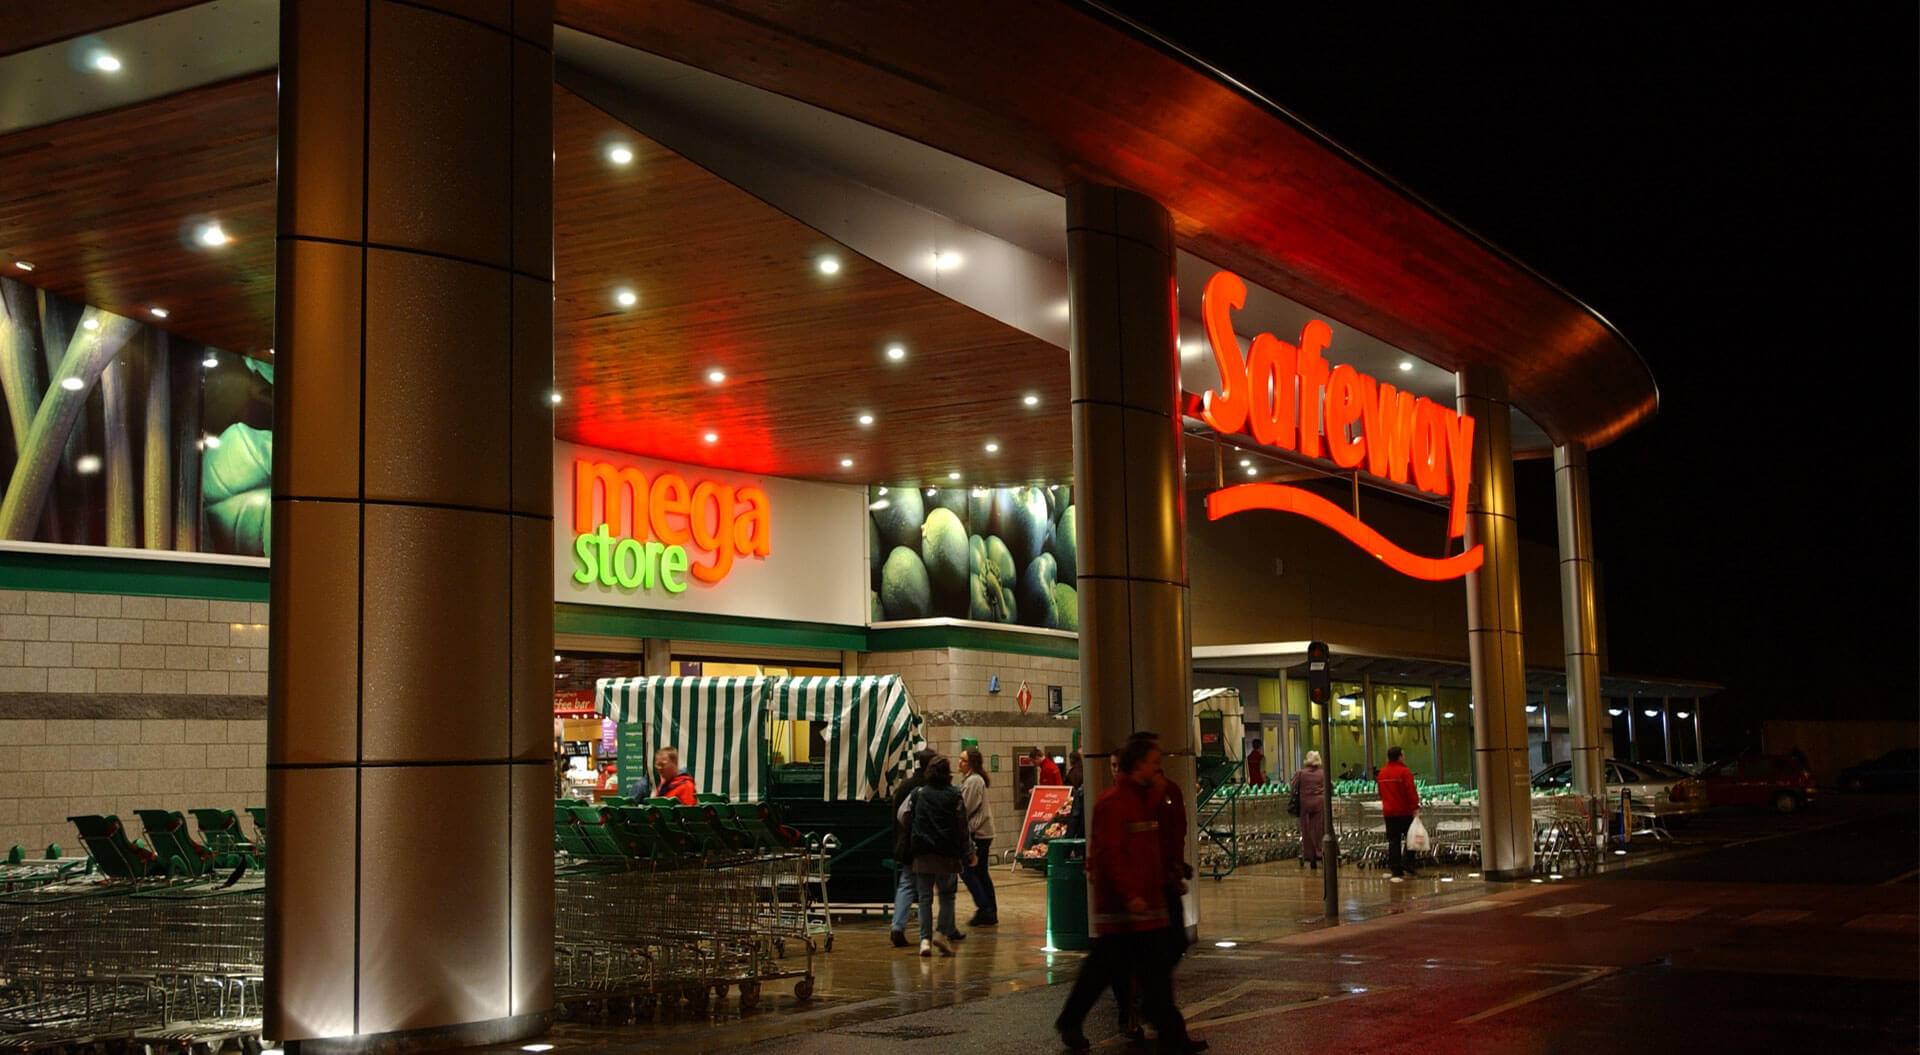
(1417, 838)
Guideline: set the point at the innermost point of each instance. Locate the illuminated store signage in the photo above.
(1288, 396)
(635, 533)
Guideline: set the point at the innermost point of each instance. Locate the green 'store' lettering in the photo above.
(628, 563)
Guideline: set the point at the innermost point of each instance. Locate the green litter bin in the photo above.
(1067, 895)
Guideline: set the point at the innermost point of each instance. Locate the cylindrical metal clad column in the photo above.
(1494, 643)
(412, 580)
(1579, 622)
(1129, 488)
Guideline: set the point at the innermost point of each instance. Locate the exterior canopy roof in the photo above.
(1058, 93)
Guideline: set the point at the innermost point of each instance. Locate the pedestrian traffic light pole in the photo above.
(1320, 691)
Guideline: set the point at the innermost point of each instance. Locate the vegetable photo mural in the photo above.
(992, 555)
(128, 436)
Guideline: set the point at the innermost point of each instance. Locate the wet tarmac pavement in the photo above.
(1719, 942)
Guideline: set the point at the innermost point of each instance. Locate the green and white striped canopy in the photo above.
(719, 727)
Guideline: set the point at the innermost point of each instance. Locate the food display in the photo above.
(992, 555)
(1047, 813)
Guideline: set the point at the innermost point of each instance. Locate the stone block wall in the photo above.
(111, 703)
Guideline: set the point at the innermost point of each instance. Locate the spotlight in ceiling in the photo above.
(1532, 708)
(210, 361)
(1651, 713)
(555, 397)
(1449, 714)
(1032, 401)
(23, 265)
(953, 476)
(993, 448)
(269, 351)
(1406, 364)
(896, 352)
(87, 464)
(626, 298)
(716, 375)
(1615, 711)
(865, 419)
(90, 324)
(620, 154)
(846, 463)
(828, 265)
(711, 437)
(1245, 462)
(158, 313)
(1253, 470)
(73, 384)
(211, 234)
(105, 61)
(1683, 715)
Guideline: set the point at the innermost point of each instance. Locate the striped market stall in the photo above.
(720, 728)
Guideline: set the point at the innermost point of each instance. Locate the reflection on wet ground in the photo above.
(865, 978)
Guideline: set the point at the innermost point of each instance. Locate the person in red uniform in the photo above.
(1256, 765)
(1129, 904)
(1399, 801)
(1049, 771)
(673, 783)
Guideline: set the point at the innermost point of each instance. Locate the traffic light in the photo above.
(1319, 674)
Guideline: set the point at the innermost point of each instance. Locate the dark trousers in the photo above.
(978, 877)
(1141, 955)
(1397, 843)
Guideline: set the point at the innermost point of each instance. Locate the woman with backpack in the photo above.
(941, 845)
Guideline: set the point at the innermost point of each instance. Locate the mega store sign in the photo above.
(1289, 397)
(641, 533)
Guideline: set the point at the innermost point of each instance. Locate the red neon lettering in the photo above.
(1430, 447)
(1387, 417)
(1460, 459)
(668, 499)
(1270, 370)
(715, 535)
(1225, 411)
(1345, 403)
(718, 518)
(1242, 497)
(753, 532)
(623, 498)
(1314, 338)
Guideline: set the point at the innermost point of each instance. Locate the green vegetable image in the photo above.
(87, 354)
(979, 510)
(874, 553)
(989, 582)
(1035, 593)
(1065, 551)
(1001, 560)
(898, 514)
(1066, 608)
(875, 613)
(949, 498)
(905, 591)
(1020, 516)
(238, 484)
(943, 548)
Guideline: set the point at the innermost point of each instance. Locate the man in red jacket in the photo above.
(1129, 903)
(1399, 801)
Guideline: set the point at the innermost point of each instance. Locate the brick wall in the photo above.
(112, 703)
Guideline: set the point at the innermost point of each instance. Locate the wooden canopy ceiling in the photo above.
(103, 207)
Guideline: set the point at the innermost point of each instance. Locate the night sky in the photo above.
(1733, 188)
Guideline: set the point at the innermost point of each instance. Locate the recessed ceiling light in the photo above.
(896, 352)
(846, 463)
(269, 351)
(73, 384)
(1032, 401)
(23, 265)
(211, 440)
(210, 361)
(1253, 470)
(716, 375)
(105, 62)
(993, 448)
(555, 397)
(953, 476)
(1245, 462)
(828, 265)
(158, 313)
(711, 437)
(1449, 714)
(947, 261)
(87, 464)
(1406, 364)
(865, 419)
(620, 155)
(211, 234)
(626, 298)
(90, 324)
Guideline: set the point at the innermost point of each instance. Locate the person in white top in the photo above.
(979, 880)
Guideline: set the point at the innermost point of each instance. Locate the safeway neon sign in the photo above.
(641, 533)
(1288, 396)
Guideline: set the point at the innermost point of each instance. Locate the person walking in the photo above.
(941, 848)
(1399, 801)
(904, 886)
(1129, 904)
(1310, 791)
(978, 876)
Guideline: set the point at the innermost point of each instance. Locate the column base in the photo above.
(439, 1038)
(1509, 875)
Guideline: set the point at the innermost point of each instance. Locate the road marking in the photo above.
(1886, 922)
(1668, 915)
(1569, 910)
(1539, 994)
(1281, 1009)
(1900, 878)
(1773, 917)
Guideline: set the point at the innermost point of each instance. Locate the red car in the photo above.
(1778, 781)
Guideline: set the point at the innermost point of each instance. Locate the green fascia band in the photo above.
(67, 573)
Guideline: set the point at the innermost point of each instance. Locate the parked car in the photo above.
(1897, 770)
(1779, 781)
(1668, 793)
